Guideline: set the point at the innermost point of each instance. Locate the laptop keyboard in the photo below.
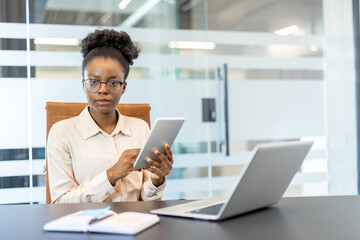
(212, 210)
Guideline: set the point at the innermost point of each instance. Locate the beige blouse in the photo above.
(79, 153)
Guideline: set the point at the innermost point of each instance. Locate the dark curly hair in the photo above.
(109, 43)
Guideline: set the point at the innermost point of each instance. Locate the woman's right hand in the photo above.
(123, 166)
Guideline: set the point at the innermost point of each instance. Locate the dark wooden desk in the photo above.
(292, 219)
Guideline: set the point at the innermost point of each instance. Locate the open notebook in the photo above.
(103, 221)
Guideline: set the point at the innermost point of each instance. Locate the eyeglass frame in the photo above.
(100, 82)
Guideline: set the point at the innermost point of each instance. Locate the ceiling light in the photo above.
(192, 45)
(287, 31)
(123, 4)
(139, 13)
(57, 41)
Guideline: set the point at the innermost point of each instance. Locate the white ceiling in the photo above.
(236, 15)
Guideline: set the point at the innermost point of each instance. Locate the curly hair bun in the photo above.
(110, 38)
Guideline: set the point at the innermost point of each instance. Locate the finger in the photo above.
(166, 165)
(156, 171)
(133, 150)
(164, 169)
(131, 153)
(168, 152)
(160, 156)
(136, 152)
(156, 158)
(135, 169)
(153, 163)
(132, 160)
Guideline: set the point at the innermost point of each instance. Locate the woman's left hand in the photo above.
(161, 166)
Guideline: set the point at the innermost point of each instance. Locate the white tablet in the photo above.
(164, 130)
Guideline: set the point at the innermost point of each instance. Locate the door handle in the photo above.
(226, 106)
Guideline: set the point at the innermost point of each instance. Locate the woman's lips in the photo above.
(103, 102)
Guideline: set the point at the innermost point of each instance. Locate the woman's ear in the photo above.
(83, 85)
(124, 87)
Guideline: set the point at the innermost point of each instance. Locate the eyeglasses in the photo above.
(93, 85)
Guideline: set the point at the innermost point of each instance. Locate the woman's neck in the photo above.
(107, 122)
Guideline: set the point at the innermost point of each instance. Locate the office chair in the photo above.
(56, 111)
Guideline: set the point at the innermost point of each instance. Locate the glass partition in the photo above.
(287, 79)
(14, 124)
(274, 53)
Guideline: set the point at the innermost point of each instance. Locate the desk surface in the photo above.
(336, 217)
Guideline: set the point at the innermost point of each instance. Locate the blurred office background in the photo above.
(290, 74)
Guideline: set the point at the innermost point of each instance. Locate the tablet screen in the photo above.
(164, 130)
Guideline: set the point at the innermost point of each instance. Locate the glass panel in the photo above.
(340, 114)
(281, 64)
(12, 11)
(14, 127)
(290, 72)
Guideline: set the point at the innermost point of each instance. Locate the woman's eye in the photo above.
(93, 82)
(112, 83)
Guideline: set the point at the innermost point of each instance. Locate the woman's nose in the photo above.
(102, 88)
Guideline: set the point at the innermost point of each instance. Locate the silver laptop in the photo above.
(262, 183)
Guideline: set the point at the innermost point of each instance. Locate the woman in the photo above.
(91, 156)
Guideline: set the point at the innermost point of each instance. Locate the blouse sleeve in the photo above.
(63, 185)
(149, 191)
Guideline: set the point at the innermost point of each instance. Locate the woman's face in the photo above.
(104, 101)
